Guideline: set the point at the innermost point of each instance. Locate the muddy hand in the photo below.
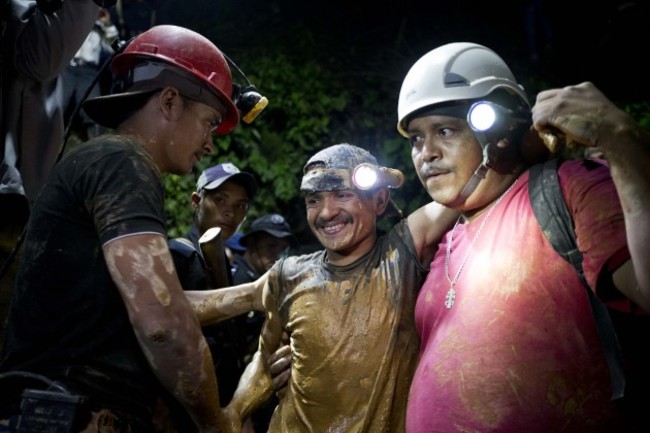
(574, 115)
(280, 366)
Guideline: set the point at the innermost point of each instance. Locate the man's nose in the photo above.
(430, 150)
(330, 207)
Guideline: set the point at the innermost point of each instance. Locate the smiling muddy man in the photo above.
(348, 308)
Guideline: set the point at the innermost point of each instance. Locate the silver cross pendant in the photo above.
(450, 298)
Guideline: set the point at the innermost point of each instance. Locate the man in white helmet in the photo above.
(508, 341)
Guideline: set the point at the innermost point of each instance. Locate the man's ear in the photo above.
(196, 199)
(381, 198)
(171, 103)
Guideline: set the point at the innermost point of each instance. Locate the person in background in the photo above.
(81, 74)
(265, 241)
(268, 238)
(221, 199)
(37, 44)
(507, 338)
(98, 307)
(234, 247)
(348, 308)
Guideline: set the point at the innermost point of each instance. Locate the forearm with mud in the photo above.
(165, 326)
(213, 306)
(628, 154)
(180, 358)
(189, 375)
(254, 388)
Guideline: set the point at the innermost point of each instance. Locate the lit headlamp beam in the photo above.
(367, 176)
(482, 116)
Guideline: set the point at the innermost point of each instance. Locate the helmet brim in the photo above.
(111, 110)
(148, 77)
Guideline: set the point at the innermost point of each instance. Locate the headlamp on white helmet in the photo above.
(491, 121)
(482, 116)
(453, 73)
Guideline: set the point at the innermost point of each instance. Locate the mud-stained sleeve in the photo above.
(401, 232)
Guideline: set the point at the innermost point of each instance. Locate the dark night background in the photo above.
(363, 50)
(601, 41)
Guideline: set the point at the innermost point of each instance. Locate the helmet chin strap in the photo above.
(490, 155)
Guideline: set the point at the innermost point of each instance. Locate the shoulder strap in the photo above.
(556, 222)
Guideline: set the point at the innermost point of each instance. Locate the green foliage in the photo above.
(303, 98)
(641, 112)
(322, 89)
(178, 190)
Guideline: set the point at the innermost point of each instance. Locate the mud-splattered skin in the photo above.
(348, 309)
(584, 116)
(164, 323)
(213, 306)
(98, 291)
(344, 222)
(342, 217)
(352, 338)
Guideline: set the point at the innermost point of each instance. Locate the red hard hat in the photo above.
(191, 53)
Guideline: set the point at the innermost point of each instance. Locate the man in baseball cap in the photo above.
(213, 177)
(221, 199)
(267, 238)
(223, 193)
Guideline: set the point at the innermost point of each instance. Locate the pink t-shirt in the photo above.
(518, 351)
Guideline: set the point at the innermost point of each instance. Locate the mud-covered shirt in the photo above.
(67, 319)
(353, 338)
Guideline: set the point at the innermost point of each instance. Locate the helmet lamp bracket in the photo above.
(247, 99)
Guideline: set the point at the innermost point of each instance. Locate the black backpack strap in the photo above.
(556, 222)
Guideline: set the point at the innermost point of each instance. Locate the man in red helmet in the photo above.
(98, 316)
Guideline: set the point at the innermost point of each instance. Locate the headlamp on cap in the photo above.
(364, 176)
(367, 176)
